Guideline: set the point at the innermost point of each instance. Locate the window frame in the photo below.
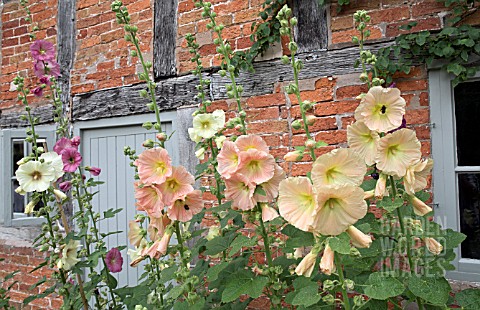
(445, 170)
(7, 136)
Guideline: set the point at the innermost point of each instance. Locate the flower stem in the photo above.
(266, 242)
(346, 301)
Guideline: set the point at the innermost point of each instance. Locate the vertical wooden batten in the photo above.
(311, 33)
(164, 38)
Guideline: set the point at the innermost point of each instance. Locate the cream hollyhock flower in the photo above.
(200, 153)
(35, 176)
(419, 207)
(194, 135)
(364, 141)
(135, 233)
(219, 141)
(338, 167)
(359, 239)
(338, 208)
(398, 151)
(30, 207)
(268, 213)
(382, 109)
(69, 255)
(416, 177)
(207, 125)
(240, 190)
(381, 186)
(59, 194)
(297, 202)
(433, 246)
(306, 266)
(327, 263)
(55, 162)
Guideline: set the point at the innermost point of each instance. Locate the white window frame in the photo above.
(445, 181)
(6, 167)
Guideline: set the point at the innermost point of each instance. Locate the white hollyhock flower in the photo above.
(35, 176)
(55, 161)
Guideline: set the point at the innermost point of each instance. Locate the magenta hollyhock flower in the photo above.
(45, 80)
(114, 260)
(42, 50)
(37, 91)
(95, 171)
(46, 67)
(71, 159)
(65, 186)
(62, 144)
(75, 141)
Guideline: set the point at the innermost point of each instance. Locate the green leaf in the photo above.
(390, 205)
(241, 241)
(320, 144)
(382, 286)
(111, 213)
(212, 273)
(369, 185)
(455, 68)
(243, 282)
(469, 299)
(307, 296)
(260, 191)
(218, 244)
(453, 238)
(297, 238)
(433, 290)
(340, 243)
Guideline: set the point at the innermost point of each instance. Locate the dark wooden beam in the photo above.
(311, 33)
(164, 38)
(12, 119)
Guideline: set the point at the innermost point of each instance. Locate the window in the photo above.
(456, 173)
(13, 148)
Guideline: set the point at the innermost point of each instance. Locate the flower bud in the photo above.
(305, 268)
(148, 143)
(327, 263)
(285, 60)
(219, 141)
(296, 124)
(433, 246)
(200, 153)
(311, 120)
(19, 190)
(307, 106)
(380, 188)
(29, 207)
(419, 207)
(239, 127)
(310, 144)
(59, 194)
(359, 239)
(369, 195)
(293, 156)
(293, 21)
(162, 137)
(147, 125)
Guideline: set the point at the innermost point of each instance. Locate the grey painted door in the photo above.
(103, 147)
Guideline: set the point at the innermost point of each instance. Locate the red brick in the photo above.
(350, 92)
(332, 137)
(266, 100)
(389, 15)
(427, 7)
(336, 107)
(432, 23)
(321, 123)
(411, 85)
(246, 15)
(268, 127)
(317, 95)
(263, 114)
(417, 116)
(345, 36)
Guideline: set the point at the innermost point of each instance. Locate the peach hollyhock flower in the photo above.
(249, 142)
(135, 233)
(381, 186)
(433, 246)
(382, 109)
(268, 213)
(297, 202)
(240, 190)
(338, 208)
(338, 167)
(419, 207)
(184, 208)
(306, 266)
(177, 185)
(416, 177)
(359, 239)
(271, 186)
(327, 263)
(397, 151)
(364, 141)
(159, 247)
(256, 165)
(228, 159)
(149, 199)
(154, 166)
(157, 225)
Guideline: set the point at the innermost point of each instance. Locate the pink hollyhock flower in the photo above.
(149, 199)
(45, 80)
(75, 141)
(268, 213)
(327, 263)
(65, 186)
(271, 186)
(42, 50)
(359, 239)
(240, 190)
(398, 151)
(306, 266)
(154, 166)
(228, 159)
(249, 142)
(363, 140)
(338, 167)
(135, 233)
(62, 144)
(183, 209)
(256, 165)
(159, 247)
(114, 260)
(297, 202)
(46, 67)
(338, 208)
(95, 171)
(156, 227)
(37, 91)
(177, 185)
(71, 159)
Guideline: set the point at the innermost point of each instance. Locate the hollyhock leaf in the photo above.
(243, 282)
(241, 241)
(219, 244)
(374, 304)
(382, 286)
(423, 195)
(468, 299)
(390, 205)
(176, 291)
(340, 244)
(110, 233)
(368, 185)
(168, 274)
(212, 273)
(201, 168)
(433, 290)
(296, 237)
(185, 305)
(298, 284)
(111, 213)
(259, 191)
(452, 238)
(307, 296)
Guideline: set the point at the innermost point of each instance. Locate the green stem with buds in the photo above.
(346, 301)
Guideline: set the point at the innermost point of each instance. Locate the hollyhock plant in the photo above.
(184, 208)
(156, 227)
(416, 176)
(251, 142)
(154, 166)
(159, 247)
(381, 109)
(257, 166)
(433, 246)
(69, 255)
(149, 199)
(271, 186)
(114, 260)
(268, 213)
(135, 233)
(47, 67)
(65, 186)
(228, 159)
(71, 158)
(37, 91)
(364, 141)
(306, 266)
(207, 125)
(42, 50)
(35, 176)
(240, 190)
(45, 80)
(95, 171)
(327, 263)
(62, 144)
(55, 162)
(177, 185)
(359, 239)
(75, 141)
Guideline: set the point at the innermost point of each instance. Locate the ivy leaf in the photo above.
(340, 244)
(455, 68)
(382, 286)
(243, 282)
(241, 241)
(433, 290)
(469, 299)
(467, 42)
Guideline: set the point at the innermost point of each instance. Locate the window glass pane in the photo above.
(18, 153)
(18, 200)
(467, 114)
(469, 202)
